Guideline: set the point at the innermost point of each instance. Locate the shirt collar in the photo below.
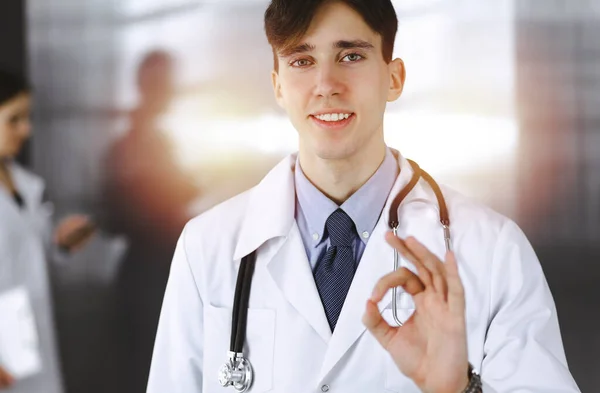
(316, 207)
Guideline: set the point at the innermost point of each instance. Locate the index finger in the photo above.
(399, 278)
(402, 248)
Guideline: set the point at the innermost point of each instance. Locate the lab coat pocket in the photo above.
(258, 348)
(395, 381)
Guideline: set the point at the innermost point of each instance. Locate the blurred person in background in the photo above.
(148, 200)
(27, 238)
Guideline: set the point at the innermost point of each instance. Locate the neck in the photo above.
(142, 121)
(338, 179)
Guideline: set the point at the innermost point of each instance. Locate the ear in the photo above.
(277, 88)
(397, 75)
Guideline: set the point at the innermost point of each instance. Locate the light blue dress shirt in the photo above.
(364, 208)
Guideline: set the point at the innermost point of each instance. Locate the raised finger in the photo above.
(401, 247)
(456, 291)
(432, 263)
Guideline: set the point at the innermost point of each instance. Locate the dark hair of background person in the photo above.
(11, 85)
(286, 22)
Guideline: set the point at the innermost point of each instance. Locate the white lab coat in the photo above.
(513, 333)
(24, 240)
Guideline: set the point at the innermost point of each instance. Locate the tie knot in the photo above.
(341, 229)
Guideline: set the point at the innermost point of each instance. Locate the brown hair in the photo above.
(286, 21)
(12, 85)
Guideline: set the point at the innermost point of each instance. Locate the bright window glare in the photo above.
(201, 142)
(452, 143)
(141, 7)
(441, 143)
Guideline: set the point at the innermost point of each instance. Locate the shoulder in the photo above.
(491, 245)
(480, 224)
(209, 240)
(464, 210)
(25, 174)
(224, 219)
(27, 182)
(253, 215)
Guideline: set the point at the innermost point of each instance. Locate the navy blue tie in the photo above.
(335, 270)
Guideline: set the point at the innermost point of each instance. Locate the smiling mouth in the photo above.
(333, 121)
(333, 117)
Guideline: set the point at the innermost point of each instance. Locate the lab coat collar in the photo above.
(28, 185)
(272, 203)
(270, 211)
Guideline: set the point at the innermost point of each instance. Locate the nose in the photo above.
(328, 82)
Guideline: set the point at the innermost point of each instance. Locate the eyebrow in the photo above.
(341, 44)
(353, 44)
(302, 48)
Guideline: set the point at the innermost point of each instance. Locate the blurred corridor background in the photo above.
(173, 98)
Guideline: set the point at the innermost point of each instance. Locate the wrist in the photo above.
(463, 382)
(473, 382)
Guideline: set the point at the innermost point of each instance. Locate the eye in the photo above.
(300, 63)
(352, 57)
(19, 118)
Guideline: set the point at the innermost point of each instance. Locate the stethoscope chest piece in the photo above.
(237, 372)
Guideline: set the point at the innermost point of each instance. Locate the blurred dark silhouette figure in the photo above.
(147, 199)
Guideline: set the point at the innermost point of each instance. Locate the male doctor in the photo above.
(319, 312)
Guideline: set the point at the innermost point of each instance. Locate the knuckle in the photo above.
(403, 271)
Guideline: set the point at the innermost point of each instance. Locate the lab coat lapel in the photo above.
(8, 205)
(30, 188)
(270, 214)
(376, 262)
(292, 274)
(270, 210)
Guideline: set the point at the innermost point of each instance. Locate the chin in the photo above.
(16, 151)
(335, 151)
(10, 154)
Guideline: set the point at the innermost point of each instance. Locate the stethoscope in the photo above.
(237, 372)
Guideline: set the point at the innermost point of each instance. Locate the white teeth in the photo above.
(333, 116)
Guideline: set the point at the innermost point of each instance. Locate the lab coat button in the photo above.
(325, 388)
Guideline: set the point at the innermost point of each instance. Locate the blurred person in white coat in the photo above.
(27, 237)
(319, 311)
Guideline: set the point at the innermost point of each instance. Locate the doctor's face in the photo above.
(335, 84)
(15, 126)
